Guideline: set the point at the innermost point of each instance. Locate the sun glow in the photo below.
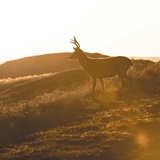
(142, 139)
(109, 27)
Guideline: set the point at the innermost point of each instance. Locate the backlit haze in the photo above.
(118, 27)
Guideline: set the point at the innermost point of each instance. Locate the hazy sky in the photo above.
(113, 27)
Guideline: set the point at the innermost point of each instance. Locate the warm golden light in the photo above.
(109, 27)
(142, 139)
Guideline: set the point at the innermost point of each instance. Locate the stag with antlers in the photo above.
(102, 67)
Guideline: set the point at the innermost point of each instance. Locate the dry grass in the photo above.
(56, 118)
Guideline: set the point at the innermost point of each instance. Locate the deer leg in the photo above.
(102, 84)
(94, 85)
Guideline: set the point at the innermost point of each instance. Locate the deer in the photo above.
(99, 68)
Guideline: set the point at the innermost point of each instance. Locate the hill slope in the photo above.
(37, 65)
(48, 63)
(55, 118)
(66, 80)
(41, 64)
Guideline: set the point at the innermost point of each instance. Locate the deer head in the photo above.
(77, 50)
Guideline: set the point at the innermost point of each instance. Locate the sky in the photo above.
(118, 27)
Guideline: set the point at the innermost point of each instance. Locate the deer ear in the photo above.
(74, 48)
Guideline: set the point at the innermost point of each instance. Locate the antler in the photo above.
(74, 41)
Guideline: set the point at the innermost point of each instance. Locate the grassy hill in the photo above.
(53, 116)
(37, 65)
(41, 64)
(45, 64)
(62, 81)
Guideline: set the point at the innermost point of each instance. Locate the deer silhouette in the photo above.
(99, 68)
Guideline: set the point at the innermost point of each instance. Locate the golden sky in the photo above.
(117, 27)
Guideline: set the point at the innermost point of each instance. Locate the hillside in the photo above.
(48, 63)
(36, 65)
(154, 59)
(41, 64)
(63, 81)
(54, 117)
(47, 112)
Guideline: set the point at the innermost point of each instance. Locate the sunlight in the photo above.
(33, 26)
(109, 27)
(142, 139)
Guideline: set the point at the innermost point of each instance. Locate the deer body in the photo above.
(102, 67)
